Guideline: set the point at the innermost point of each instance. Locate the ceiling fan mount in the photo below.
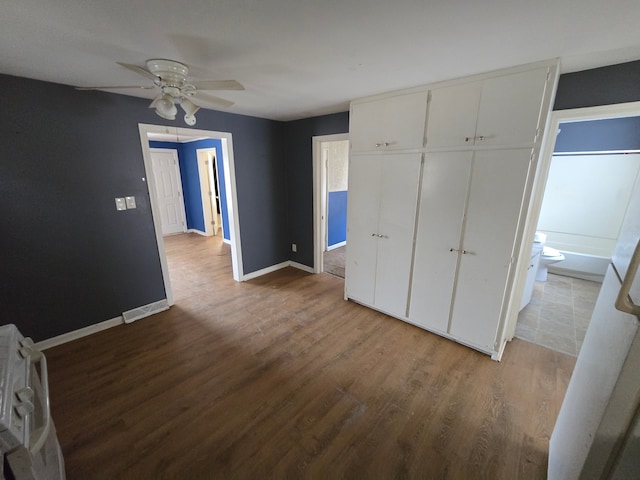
(170, 77)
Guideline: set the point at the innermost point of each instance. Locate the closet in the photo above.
(439, 178)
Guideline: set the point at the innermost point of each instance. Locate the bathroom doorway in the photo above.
(594, 165)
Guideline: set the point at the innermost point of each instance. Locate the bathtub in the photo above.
(580, 265)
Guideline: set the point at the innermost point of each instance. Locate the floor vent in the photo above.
(145, 311)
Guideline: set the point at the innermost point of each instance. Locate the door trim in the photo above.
(232, 198)
(618, 110)
(320, 197)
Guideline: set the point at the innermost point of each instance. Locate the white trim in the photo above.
(319, 201)
(82, 332)
(336, 245)
(145, 311)
(230, 184)
(199, 232)
(556, 117)
(300, 266)
(275, 268)
(264, 271)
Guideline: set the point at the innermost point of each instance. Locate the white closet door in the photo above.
(398, 202)
(510, 108)
(365, 176)
(493, 213)
(453, 112)
(445, 181)
(396, 121)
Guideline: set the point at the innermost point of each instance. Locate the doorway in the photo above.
(177, 134)
(540, 183)
(330, 185)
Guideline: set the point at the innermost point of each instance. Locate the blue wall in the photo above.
(337, 217)
(599, 135)
(191, 187)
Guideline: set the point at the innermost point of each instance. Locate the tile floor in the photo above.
(559, 313)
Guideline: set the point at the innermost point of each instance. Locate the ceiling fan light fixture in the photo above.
(165, 107)
(190, 110)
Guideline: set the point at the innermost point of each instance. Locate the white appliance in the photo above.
(597, 433)
(28, 442)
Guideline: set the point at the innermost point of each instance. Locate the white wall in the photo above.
(338, 159)
(585, 201)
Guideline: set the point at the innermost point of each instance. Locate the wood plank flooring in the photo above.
(279, 377)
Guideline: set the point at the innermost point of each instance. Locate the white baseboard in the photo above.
(273, 268)
(300, 266)
(145, 310)
(82, 332)
(336, 245)
(264, 271)
(126, 317)
(199, 232)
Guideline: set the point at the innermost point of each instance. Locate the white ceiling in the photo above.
(302, 58)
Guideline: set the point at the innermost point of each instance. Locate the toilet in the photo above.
(549, 256)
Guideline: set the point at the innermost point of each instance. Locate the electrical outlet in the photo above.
(294, 247)
(121, 204)
(131, 202)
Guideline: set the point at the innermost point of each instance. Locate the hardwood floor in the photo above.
(279, 377)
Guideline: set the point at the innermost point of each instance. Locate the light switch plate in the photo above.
(131, 202)
(121, 204)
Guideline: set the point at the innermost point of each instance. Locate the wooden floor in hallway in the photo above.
(280, 377)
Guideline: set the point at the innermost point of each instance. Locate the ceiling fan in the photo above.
(171, 78)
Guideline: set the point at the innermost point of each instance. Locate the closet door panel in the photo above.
(493, 213)
(453, 112)
(398, 203)
(445, 181)
(365, 175)
(510, 108)
(396, 121)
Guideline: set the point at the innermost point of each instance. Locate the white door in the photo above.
(383, 192)
(445, 181)
(510, 109)
(453, 112)
(493, 212)
(166, 174)
(365, 176)
(396, 226)
(393, 123)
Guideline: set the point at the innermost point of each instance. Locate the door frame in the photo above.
(320, 197)
(232, 198)
(618, 110)
(179, 175)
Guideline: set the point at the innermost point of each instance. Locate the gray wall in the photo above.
(69, 259)
(299, 155)
(599, 86)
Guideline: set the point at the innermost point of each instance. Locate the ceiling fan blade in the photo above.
(205, 97)
(140, 70)
(113, 87)
(218, 85)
